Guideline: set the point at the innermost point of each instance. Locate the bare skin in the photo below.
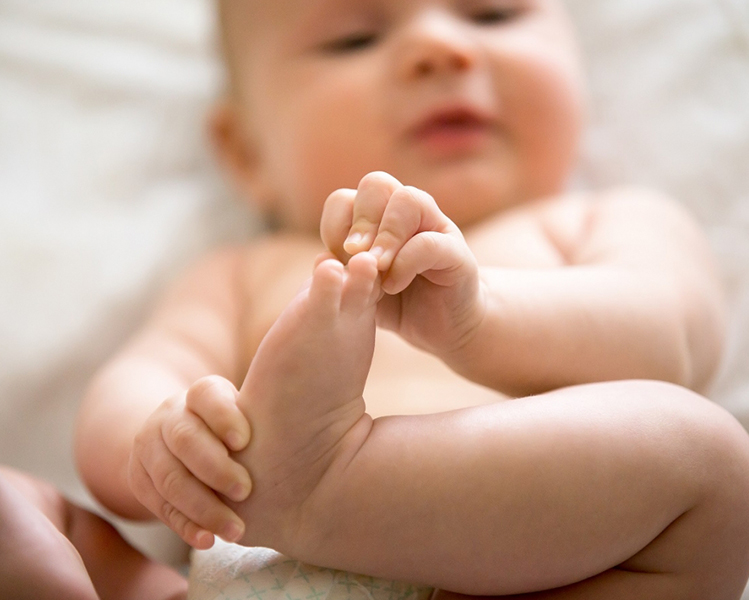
(327, 336)
(51, 549)
(551, 289)
(610, 516)
(481, 105)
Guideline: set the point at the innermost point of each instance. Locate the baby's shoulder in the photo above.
(258, 258)
(625, 208)
(588, 222)
(568, 225)
(229, 279)
(208, 282)
(570, 215)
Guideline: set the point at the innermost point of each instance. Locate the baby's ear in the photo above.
(237, 153)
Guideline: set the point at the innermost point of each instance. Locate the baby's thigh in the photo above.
(36, 560)
(705, 552)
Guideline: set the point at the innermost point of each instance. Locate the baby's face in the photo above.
(478, 102)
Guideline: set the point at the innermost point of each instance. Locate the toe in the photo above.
(361, 288)
(326, 287)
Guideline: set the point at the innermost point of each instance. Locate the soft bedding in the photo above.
(232, 572)
(107, 189)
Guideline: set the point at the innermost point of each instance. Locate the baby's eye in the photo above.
(353, 42)
(493, 16)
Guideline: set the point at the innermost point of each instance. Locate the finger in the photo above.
(389, 311)
(214, 400)
(194, 445)
(409, 211)
(372, 197)
(183, 493)
(441, 258)
(335, 222)
(145, 492)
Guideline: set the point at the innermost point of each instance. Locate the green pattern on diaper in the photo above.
(230, 572)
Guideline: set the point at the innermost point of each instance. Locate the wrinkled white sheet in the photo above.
(107, 189)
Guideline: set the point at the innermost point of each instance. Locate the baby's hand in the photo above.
(180, 460)
(433, 294)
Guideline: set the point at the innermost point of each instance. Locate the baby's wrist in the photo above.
(469, 349)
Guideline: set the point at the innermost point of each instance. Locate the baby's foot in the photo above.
(303, 395)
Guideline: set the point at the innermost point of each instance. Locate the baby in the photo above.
(452, 272)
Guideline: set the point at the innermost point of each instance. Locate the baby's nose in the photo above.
(432, 44)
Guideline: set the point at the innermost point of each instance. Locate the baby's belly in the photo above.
(407, 381)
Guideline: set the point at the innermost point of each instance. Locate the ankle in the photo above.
(306, 525)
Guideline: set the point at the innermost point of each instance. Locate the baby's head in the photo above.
(478, 102)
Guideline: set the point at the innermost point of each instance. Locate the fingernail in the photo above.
(235, 440)
(203, 540)
(377, 251)
(353, 243)
(239, 492)
(354, 238)
(232, 531)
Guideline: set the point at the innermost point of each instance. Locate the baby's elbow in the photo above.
(704, 340)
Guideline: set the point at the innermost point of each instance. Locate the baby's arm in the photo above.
(153, 430)
(637, 296)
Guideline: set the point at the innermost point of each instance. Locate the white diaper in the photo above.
(232, 572)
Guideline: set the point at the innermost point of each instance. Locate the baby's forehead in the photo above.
(241, 20)
(254, 11)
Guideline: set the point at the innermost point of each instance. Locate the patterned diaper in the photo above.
(232, 572)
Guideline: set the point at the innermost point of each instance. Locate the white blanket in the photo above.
(107, 188)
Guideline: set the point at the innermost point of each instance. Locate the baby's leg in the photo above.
(614, 491)
(608, 491)
(303, 393)
(51, 549)
(601, 492)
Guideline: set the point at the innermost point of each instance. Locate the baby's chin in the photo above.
(471, 196)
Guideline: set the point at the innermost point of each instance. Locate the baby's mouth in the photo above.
(452, 131)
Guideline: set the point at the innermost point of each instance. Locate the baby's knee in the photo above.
(726, 498)
(707, 443)
(714, 458)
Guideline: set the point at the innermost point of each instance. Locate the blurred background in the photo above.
(108, 188)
